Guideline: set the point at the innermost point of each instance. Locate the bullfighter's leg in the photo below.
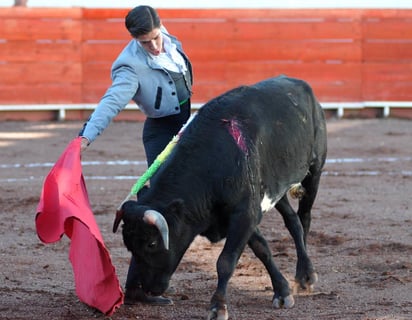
(238, 235)
(305, 275)
(282, 296)
(135, 294)
(310, 184)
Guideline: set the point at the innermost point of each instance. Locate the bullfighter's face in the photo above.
(152, 42)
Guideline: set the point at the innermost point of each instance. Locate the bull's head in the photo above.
(151, 217)
(146, 236)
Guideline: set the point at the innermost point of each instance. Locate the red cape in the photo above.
(64, 209)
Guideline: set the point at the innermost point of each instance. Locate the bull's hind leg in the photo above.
(282, 296)
(305, 275)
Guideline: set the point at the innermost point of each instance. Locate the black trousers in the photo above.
(157, 133)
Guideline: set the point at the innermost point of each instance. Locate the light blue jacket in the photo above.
(135, 76)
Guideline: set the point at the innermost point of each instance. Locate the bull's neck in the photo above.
(181, 235)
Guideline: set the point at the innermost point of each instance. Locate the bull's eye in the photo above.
(152, 244)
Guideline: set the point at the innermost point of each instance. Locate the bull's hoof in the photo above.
(307, 283)
(280, 302)
(218, 314)
(137, 296)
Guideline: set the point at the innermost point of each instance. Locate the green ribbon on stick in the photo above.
(156, 163)
(152, 169)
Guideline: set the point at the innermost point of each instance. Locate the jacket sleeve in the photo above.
(124, 86)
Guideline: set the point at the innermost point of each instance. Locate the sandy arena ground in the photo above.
(360, 240)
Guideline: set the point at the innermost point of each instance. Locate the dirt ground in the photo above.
(360, 240)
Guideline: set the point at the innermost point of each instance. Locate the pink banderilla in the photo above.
(236, 133)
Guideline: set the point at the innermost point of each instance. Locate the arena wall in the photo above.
(62, 56)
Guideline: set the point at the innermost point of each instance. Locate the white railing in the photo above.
(339, 107)
(384, 105)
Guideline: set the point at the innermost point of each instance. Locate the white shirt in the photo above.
(171, 59)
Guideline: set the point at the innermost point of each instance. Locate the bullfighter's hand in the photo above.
(84, 144)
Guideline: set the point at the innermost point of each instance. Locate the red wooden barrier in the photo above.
(387, 55)
(40, 55)
(65, 55)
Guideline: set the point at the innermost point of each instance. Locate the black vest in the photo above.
(183, 84)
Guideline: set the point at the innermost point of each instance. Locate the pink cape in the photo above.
(64, 209)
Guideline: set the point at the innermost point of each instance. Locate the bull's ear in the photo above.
(128, 206)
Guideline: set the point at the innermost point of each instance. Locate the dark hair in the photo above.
(142, 20)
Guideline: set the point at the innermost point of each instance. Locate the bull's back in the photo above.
(282, 125)
(266, 133)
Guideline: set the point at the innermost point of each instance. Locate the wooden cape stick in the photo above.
(150, 171)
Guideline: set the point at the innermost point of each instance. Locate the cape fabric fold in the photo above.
(64, 209)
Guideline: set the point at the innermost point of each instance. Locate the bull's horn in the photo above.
(156, 218)
(117, 219)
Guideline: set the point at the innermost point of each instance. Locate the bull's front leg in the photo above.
(225, 267)
(237, 237)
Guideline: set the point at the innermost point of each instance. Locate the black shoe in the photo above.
(136, 296)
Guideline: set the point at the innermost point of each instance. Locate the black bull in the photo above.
(240, 156)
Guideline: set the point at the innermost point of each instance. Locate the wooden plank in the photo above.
(40, 13)
(40, 29)
(274, 50)
(395, 92)
(110, 29)
(40, 73)
(313, 71)
(93, 92)
(181, 13)
(203, 92)
(96, 73)
(387, 13)
(214, 69)
(287, 30)
(389, 81)
(102, 51)
(262, 30)
(39, 51)
(248, 13)
(40, 94)
(389, 51)
(391, 72)
(324, 91)
(333, 83)
(335, 92)
(345, 76)
(104, 13)
(374, 28)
